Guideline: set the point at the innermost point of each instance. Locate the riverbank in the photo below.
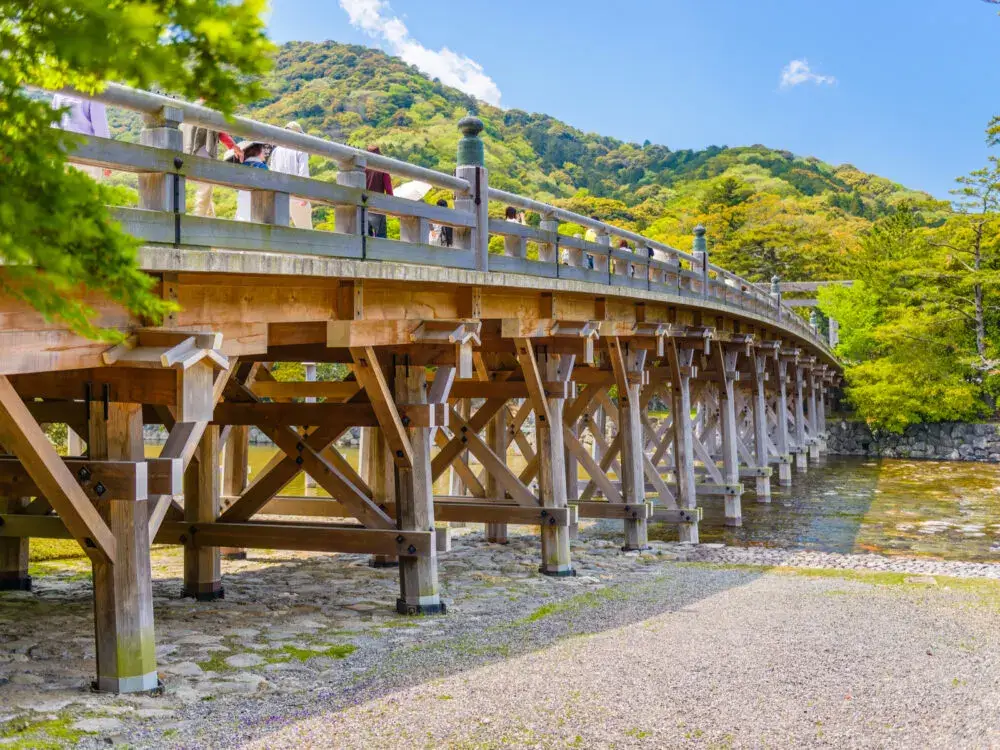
(306, 651)
(944, 441)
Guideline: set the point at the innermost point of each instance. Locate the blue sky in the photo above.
(914, 82)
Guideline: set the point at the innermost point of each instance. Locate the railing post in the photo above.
(776, 293)
(163, 191)
(699, 249)
(834, 332)
(547, 250)
(347, 219)
(602, 262)
(472, 168)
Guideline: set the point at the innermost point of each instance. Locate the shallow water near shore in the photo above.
(942, 509)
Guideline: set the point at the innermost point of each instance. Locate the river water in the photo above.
(890, 506)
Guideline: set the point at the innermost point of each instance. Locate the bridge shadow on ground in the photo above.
(321, 629)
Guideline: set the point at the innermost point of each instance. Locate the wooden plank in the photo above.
(624, 511)
(20, 434)
(298, 536)
(370, 376)
(496, 467)
(294, 414)
(676, 515)
(122, 480)
(339, 390)
(532, 378)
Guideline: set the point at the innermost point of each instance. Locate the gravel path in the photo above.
(701, 646)
(710, 658)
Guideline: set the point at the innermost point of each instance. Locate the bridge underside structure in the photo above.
(453, 365)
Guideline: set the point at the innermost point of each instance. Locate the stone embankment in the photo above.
(946, 441)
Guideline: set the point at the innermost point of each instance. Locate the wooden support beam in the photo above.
(299, 536)
(624, 511)
(123, 591)
(725, 358)
(336, 390)
(125, 480)
(418, 577)
(681, 516)
(494, 465)
(681, 359)
(295, 414)
(551, 451)
(496, 438)
(21, 435)
(202, 491)
(630, 428)
(369, 374)
(14, 550)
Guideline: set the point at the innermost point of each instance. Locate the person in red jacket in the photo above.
(377, 181)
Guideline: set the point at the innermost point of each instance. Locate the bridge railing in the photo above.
(542, 251)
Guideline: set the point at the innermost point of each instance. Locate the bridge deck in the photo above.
(450, 353)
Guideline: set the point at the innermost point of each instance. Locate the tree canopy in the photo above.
(57, 239)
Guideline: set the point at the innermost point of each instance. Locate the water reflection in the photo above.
(890, 506)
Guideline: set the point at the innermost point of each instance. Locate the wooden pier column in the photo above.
(815, 445)
(628, 368)
(496, 438)
(418, 576)
(681, 370)
(759, 415)
(14, 551)
(378, 472)
(573, 478)
(202, 566)
(802, 448)
(123, 591)
(781, 424)
(456, 486)
(235, 474)
(551, 449)
(730, 449)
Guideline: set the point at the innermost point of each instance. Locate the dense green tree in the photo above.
(56, 236)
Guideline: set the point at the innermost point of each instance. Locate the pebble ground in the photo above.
(683, 646)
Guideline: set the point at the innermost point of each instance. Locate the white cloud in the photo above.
(798, 72)
(375, 19)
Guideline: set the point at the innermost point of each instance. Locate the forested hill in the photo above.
(767, 211)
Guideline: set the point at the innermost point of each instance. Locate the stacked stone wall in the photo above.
(945, 441)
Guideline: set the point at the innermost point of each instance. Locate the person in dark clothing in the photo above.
(377, 181)
(441, 234)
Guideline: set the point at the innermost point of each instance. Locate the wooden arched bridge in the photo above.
(452, 352)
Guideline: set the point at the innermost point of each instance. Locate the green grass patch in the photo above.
(288, 652)
(50, 734)
(573, 604)
(54, 549)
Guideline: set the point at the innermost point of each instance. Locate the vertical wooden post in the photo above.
(681, 363)
(163, 191)
(726, 362)
(814, 444)
(123, 592)
(74, 443)
(781, 424)
(236, 467)
(630, 424)
(418, 576)
(202, 567)
(14, 551)
(310, 372)
(547, 250)
(472, 168)
(801, 455)
(759, 409)
(455, 485)
(552, 466)
(496, 437)
(347, 219)
(573, 479)
(381, 477)
(699, 249)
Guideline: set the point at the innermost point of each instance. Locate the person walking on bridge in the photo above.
(199, 141)
(377, 181)
(85, 117)
(289, 161)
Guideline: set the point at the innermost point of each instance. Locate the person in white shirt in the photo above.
(85, 117)
(290, 161)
